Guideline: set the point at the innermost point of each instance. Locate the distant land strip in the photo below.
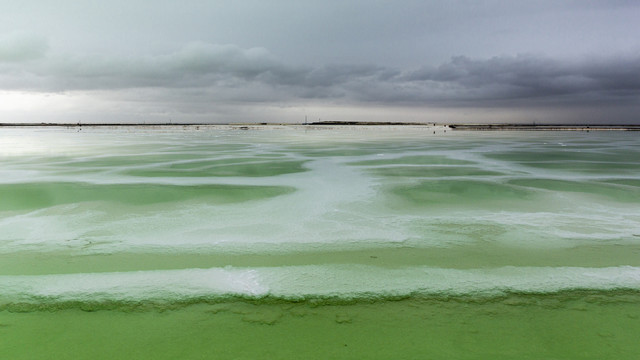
(453, 126)
(539, 127)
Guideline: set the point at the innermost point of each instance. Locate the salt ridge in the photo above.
(299, 282)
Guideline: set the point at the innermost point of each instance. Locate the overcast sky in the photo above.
(281, 60)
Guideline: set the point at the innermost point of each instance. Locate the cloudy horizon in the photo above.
(427, 61)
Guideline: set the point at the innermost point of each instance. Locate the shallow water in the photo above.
(288, 242)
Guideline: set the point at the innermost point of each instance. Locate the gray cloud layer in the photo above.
(527, 76)
(24, 65)
(408, 56)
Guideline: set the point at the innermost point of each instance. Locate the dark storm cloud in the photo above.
(195, 65)
(254, 74)
(533, 77)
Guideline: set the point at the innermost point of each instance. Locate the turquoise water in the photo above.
(289, 242)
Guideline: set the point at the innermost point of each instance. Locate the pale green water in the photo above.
(342, 243)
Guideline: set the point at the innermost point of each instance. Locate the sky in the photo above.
(454, 61)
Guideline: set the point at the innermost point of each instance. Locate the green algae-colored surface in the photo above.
(42, 195)
(576, 326)
(384, 243)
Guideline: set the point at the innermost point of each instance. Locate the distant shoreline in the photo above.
(452, 126)
(530, 127)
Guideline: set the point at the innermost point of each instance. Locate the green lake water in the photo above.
(327, 243)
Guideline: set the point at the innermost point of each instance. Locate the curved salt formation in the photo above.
(505, 211)
(307, 243)
(299, 283)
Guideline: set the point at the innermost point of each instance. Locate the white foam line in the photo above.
(310, 281)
